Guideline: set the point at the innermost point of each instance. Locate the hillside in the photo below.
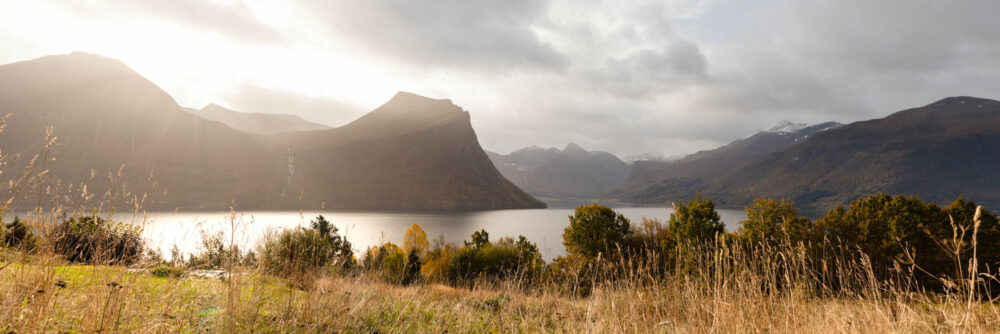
(572, 172)
(256, 122)
(413, 153)
(937, 152)
(659, 182)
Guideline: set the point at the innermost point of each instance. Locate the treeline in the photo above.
(881, 238)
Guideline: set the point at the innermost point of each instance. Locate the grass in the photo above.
(43, 295)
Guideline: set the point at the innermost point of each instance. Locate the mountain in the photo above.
(572, 172)
(632, 158)
(125, 139)
(937, 152)
(256, 122)
(659, 182)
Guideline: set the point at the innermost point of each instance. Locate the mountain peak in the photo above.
(785, 126)
(404, 97)
(573, 147)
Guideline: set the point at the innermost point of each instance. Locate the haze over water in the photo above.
(364, 229)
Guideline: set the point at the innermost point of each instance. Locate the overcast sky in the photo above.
(664, 77)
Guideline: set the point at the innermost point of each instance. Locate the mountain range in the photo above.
(937, 152)
(660, 182)
(572, 172)
(122, 140)
(263, 123)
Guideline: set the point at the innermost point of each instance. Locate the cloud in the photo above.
(233, 20)
(637, 76)
(452, 33)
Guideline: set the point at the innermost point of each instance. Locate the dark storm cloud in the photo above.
(251, 98)
(484, 34)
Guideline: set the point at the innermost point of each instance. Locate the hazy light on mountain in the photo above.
(628, 77)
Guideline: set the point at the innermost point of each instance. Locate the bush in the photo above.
(435, 265)
(386, 261)
(95, 240)
(770, 222)
(302, 250)
(166, 271)
(17, 235)
(502, 259)
(595, 229)
(695, 221)
(214, 253)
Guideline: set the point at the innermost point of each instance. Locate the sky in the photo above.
(660, 77)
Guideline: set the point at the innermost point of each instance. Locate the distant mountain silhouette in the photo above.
(256, 122)
(413, 153)
(660, 182)
(572, 172)
(937, 152)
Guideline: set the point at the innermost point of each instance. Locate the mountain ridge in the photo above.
(109, 119)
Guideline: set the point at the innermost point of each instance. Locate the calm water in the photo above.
(363, 229)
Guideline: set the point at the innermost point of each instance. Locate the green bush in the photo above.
(495, 260)
(695, 222)
(303, 250)
(214, 252)
(771, 222)
(595, 229)
(166, 271)
(386, 261)
(95, 240)
(17, 235)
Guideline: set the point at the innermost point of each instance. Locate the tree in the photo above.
(304, 250)
(890, 229)
(415, 240)
(594, 229)
(17, 235)
(479, 239)
(412, 271)
(695, 221)
(771, 221)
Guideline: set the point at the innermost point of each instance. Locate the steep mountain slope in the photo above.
(658, 182)
(412, 152)
(572, 172)
(256, 122)
(939, 151)
(110, 120)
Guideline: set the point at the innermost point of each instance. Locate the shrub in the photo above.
(166, 271)
(594, 229)
(770, 222)
(214, 253)
(303, 250)
(386, 261)
(695, 221)
(502, 259)
(434, 268)
(17, 235)
(95, 240)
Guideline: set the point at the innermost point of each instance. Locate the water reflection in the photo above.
(363, 229)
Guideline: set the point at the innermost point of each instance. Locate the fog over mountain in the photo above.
(122, 140)
(256, 122)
